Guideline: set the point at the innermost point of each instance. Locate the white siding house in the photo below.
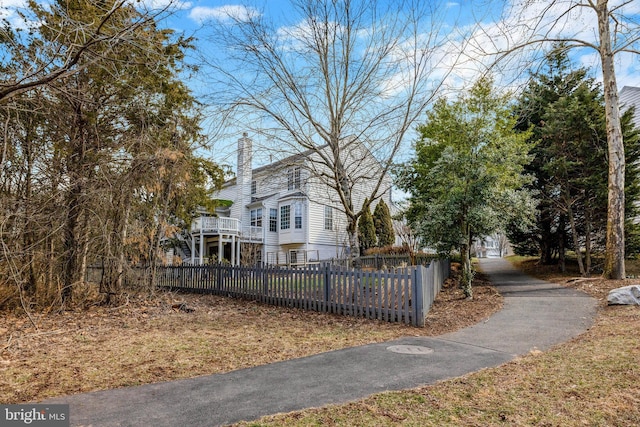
(630, 97)
(282, 213)
(494, 246)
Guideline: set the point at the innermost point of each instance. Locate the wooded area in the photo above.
(98, 159)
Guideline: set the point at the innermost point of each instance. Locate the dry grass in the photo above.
(147, 340)
(593, 380)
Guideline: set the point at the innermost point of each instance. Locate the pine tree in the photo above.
(565, 110)
(366, 229)
(383, 225)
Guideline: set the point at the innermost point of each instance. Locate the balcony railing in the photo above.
(216, 225)
(251, 234)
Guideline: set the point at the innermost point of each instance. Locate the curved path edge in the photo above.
(535, 315)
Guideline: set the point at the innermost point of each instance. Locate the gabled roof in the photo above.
(260, 199)
(630, 96)
(296, 195)
(294, 159)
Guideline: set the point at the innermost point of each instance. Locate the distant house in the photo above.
(629, 97)
(494, 246)
(281, 213)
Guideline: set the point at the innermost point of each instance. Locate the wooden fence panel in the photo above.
(404, 295)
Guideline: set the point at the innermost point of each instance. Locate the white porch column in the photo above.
(201, 247)
(193, 248)
(220, 254)
(233, 249)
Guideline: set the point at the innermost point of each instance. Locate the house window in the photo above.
(298, 215)
(256, 217)
(328, 218)
(285, 217)
(273, 219)
(254, 187)
(293, 178)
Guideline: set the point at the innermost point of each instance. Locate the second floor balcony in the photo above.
(210, 225)
(216, 225)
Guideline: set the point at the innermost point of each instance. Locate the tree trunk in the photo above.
(29, 238)
(70, 245)
(157, 238)
(354, 244)
(576, 243)
(614, 267)
(121, 247)
(344, 192)
(562, 236)
(467, 272)
(51, 259)
(587, 243)
(154, 256)
(84, 248)
(546, 246)
(5, 142)
(74, 198)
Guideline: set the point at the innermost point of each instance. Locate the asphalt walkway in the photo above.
(536, 315)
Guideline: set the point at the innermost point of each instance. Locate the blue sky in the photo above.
(482, 27)
(484, 24)
(191, 14)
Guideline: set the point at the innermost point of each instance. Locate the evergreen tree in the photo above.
(383, 225)
(565, 110)
(556, 80)
(106, 152)
(366, 228)
(465, 173)
(632, 183)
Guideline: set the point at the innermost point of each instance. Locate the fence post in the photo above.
(219, 278)
(327, 284)
(430, 284)
(418, 291)
(265, 283)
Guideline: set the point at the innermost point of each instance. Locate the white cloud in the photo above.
(627, 8)
(8, 11)
(627, 70)
(223, 14)
(13, 3)
(535, 20)
(300, 31)
(161, 4)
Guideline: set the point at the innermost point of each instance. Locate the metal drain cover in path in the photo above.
(410, 349)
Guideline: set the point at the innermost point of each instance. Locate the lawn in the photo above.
(150, 339)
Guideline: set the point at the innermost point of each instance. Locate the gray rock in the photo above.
(627, 295)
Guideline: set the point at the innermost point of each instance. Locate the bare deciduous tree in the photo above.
(344, 80)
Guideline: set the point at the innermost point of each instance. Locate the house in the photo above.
(629, 97)
(494, 246)
(283, 213)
